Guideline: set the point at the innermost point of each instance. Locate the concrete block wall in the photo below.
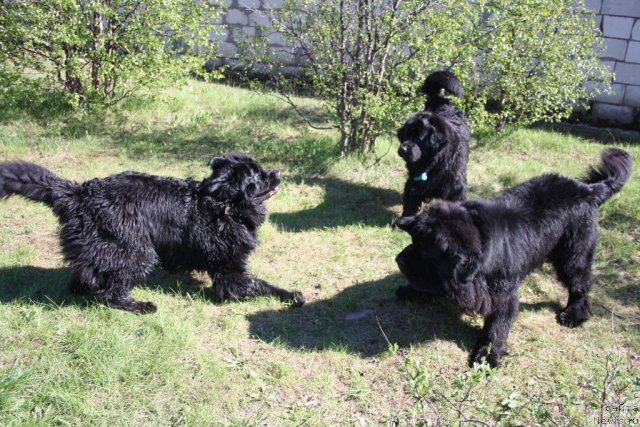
(619, 21)
(248, 17)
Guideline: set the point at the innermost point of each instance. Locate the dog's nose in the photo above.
(403, 150)
(275, 176)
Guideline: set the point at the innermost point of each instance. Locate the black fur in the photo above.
(116, 230)
(436, 142)
(476, 253)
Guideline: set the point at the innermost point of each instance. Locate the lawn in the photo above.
(67, 361)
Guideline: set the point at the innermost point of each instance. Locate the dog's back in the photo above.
(536, 215)
(555, 192)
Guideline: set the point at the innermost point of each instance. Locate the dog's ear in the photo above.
(217, 162)
(467, 267)
(443, 132)
(406, 223)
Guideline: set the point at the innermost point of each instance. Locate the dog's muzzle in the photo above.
(407, 151)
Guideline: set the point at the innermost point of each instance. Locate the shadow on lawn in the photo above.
(49, 286)
(259, 129)
(321, 325)
(602, 135)
(344, 203)
(38, 285)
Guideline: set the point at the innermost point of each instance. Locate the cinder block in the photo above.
(594, 5)
(236, 16)
(615, 26)
(260, 19)
(620, 114)
(611, 65)
(283, 56)
(615, 97)
(249, 4)
(635, 34)
(243, 33)
(627, 73)
(615, 49)
(621, 7)
(598, 19)
(633, 52)
(276, 38)
(228, 50)
(219, 34)
(632, 96)
(272, 4)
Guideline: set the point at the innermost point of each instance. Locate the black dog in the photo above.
(117, 230)
(476, 253)
(435, 145)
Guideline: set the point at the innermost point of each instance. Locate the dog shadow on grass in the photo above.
(323, 325)
(344, 203)
(47, 287)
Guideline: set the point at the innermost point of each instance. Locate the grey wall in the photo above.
(619, 21)
(246, 17)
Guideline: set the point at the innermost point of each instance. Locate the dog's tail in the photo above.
(609, 176)
(436, 82)
(33, 182)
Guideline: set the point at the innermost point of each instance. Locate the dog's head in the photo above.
(446, 248)
(422, 137)
(239, 181)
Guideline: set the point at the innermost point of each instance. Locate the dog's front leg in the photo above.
(409, 293)
(240, 285)
(411, 198)
(115, 294)
(492, 343)
(266, 288)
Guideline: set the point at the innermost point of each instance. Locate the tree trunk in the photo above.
(71, 80)
(98, 30)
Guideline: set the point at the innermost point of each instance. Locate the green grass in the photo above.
(67, 361)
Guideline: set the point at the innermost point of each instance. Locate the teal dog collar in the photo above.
(422, 177)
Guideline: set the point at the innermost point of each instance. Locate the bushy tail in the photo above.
(610, 175)
(441, 80)
(33, 182)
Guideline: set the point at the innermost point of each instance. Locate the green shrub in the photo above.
(528, 60)
(534, 60)
(105, 50)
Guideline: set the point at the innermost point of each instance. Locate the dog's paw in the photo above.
(573, 316)
(491, 357)
(565, 318)
(298, 299)
(145, 307)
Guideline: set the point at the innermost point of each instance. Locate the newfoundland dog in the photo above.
(434, 143)
(476, 253)
(116, 230)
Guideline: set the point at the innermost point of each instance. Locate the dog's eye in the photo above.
(250, 189)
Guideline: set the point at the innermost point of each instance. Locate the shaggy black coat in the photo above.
(434, 143)
(476, 253)
(116, 230)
